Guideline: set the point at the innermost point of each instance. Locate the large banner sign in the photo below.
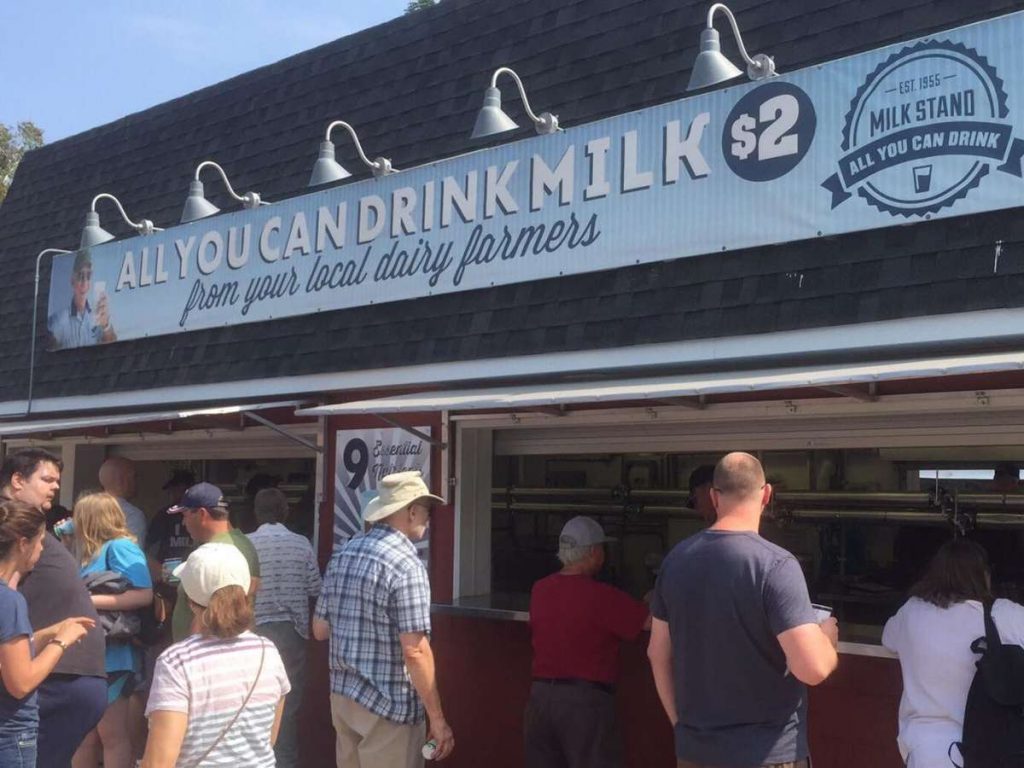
(926, 129)
(363, 457)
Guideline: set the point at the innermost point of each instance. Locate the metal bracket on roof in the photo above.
(282, 431)
(550, 410)
(697, 403)
(413, 431)
(865, 395)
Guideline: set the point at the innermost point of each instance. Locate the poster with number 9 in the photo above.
(362, 458)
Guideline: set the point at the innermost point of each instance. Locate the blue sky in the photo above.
(70, 65)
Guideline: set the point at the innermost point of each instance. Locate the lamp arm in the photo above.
(519, 84)
(223, 175)
(355, 140)
(35, 317)
(145, 226)
(735, 30)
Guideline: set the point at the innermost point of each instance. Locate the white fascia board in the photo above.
(681, 386)
(890, 334)
(60, 425)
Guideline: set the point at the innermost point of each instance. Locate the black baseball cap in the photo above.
(702, 475)
(180, 477)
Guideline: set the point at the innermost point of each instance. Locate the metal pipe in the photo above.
(870, 515)
(588, 508)
(848, 497)
(990, 500)
(35, 319)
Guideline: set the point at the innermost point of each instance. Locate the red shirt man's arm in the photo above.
(626, 617)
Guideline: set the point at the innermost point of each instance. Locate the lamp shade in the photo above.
(491, 120)
(196, 204)
(326, 168)
(93, 233)
(711, 67)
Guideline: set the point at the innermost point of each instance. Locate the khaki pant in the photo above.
(797, 764)
(366, 740)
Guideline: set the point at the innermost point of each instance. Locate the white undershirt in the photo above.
(934, 647)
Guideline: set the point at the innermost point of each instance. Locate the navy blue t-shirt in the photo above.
(726, 596)
(15, 713)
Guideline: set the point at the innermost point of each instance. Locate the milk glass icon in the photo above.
(922, 178)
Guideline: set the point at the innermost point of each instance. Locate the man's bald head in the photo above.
(117, 476)
(739, 475)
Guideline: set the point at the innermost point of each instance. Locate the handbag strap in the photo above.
(991, 633)
(231, 722)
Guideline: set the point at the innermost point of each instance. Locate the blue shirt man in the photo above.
(375, 609)
(78, 325)
(734, 638)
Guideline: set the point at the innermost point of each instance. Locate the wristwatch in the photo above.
(58, 641)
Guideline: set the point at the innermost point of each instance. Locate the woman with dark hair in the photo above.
(217, 696)
(26, 658)
(932, 635)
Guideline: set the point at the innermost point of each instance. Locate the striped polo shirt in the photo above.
(289, 577)
(208, 678)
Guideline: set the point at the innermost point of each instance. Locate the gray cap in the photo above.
(582, 531)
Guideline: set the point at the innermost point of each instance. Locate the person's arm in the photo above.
(313, 581)
(419, 660)
(125, 557)
(659, 651)
(21, 673)
(811, 650)
(166, 734)
(321, 629)
(324, 603)
(129, 600)
(276, 727)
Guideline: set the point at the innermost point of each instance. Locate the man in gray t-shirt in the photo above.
(734, 637)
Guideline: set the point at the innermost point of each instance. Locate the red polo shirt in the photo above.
(577, 625)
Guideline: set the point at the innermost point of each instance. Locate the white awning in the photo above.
(11, 428)
(679, 386)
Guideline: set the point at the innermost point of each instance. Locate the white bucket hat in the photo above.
(211, 567)
(396, 492)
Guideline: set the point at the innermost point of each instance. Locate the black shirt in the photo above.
(167, 538)
(54, 591)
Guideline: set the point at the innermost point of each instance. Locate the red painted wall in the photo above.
(484, 675)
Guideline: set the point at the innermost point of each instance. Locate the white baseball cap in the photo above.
(211, 567)
(582, 531)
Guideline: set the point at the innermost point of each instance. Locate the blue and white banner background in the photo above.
(924, 129)
(362, 458)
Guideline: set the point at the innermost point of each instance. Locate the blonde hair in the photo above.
(98, 519)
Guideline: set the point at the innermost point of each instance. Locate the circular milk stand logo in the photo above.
(923, 130)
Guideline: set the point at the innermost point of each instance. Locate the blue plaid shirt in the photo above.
(375, 588)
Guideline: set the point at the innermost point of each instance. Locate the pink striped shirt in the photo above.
(208, 678)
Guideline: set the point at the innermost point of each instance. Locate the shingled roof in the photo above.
(412, 86)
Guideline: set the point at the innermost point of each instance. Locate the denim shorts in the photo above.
(18, 748)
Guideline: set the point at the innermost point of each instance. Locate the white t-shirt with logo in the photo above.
(934, 647)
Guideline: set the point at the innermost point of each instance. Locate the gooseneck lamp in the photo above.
(198, 207)
(327, 168)
(492, 120)
(94, 234)
(712, 67)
